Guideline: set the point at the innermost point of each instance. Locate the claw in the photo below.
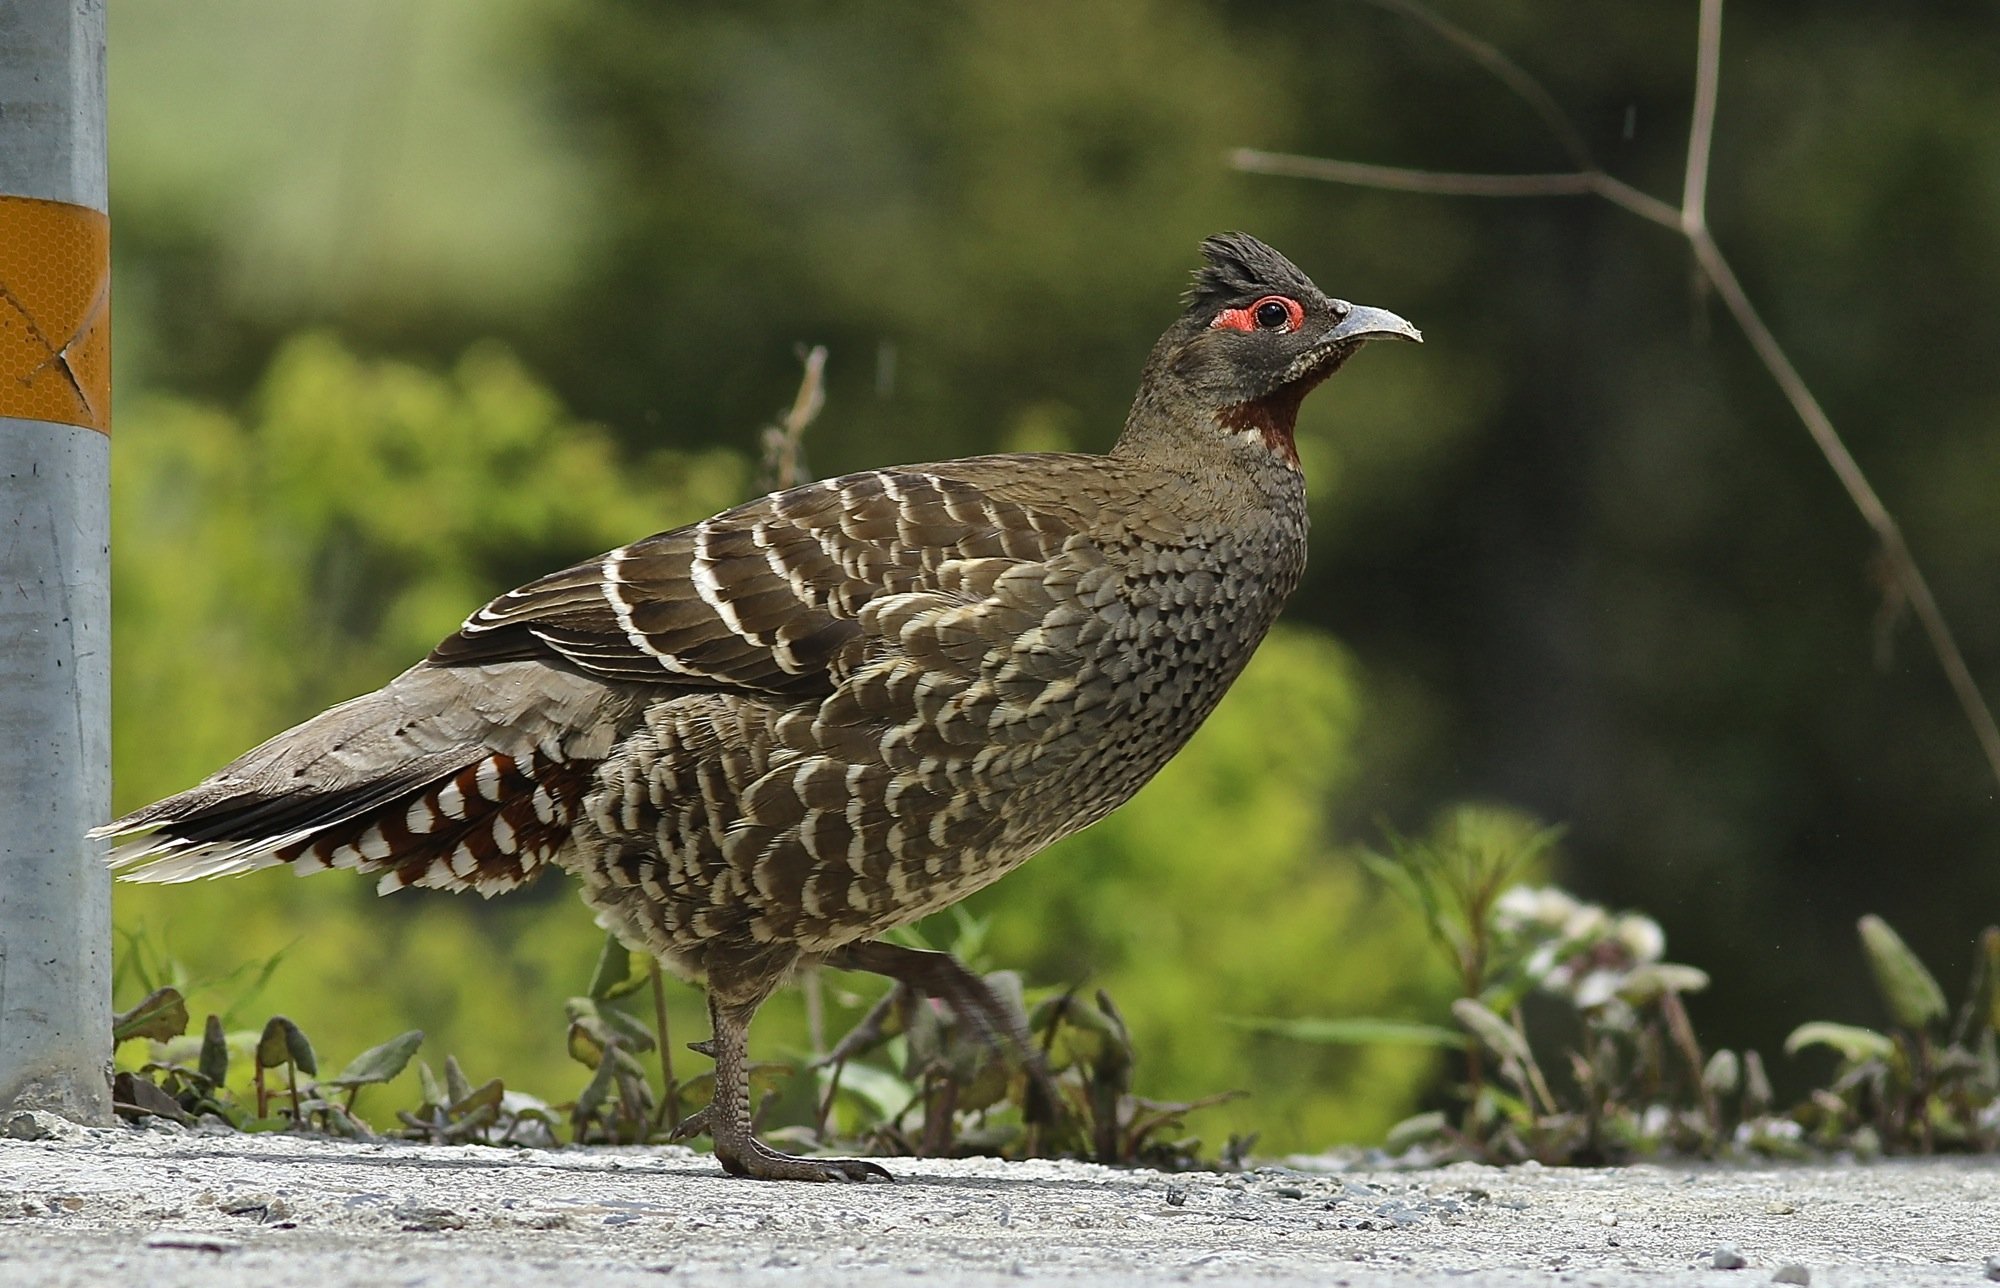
(695, 1124)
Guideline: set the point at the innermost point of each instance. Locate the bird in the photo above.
(763, 741)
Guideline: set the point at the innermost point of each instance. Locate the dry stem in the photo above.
(1690, 221)
(784, 445)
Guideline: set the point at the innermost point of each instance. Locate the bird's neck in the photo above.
(1170, 430)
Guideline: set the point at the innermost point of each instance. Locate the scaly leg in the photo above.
(727, 1118)
(944, 977)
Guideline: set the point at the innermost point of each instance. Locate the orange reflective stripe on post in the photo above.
(55, 313)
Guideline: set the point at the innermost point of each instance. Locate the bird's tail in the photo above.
(465, 779)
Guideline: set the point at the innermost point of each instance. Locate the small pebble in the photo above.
(1779, 1209)
(258, 1207)
(27, 1126)
(1289, 1192)
(1726, 1257)
(1792, 1273)
(1609, 1218)
(419, 1218)
(1993, 1269)
(1177, 1196)
(191, 1241)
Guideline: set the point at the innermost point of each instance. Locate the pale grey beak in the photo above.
(1362, 323)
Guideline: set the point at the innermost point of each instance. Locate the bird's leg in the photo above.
(869, 1029)
(727, 1117)
(971, 998)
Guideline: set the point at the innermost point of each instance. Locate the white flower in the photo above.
(1597, 988)
(1642, 937)
(1521, 907)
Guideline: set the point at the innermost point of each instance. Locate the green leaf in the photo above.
(282, 1043)
(1400, 879)
(380, 1063)
(1757, 1092)
(1357, 1031)
(1913, 995)
(160, 1015)
(488, 1095)
(614, 967)
(1646, 982)
(135, 1096)
(269, 1123)
(433, 1092)
(1855, 1044)
(614, 976)
(1489, 1028)
(592, 1028)
(1982, 1000)
(883, 1093)
(631, 1033)
(300, 1050)
(213, 1063)
(586, 1044)
(456, 1084)
(591, 1100)
(1416, 1130)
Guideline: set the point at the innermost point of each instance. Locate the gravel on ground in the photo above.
(167, 1206)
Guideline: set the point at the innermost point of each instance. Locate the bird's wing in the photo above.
(764, 598)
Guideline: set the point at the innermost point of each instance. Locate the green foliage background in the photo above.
(416, 301)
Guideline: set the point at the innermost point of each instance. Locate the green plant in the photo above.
(1632, 1078)
(1629, 1076)
(1932, 1082)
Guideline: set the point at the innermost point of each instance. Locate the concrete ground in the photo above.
(83, 1206)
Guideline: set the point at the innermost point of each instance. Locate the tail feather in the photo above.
(436, 780)
(489, 826)
(235, 826)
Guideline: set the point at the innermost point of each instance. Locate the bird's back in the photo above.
(814, 716)
(1053, 630)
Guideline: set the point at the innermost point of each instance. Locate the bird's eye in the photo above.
(1272, 313)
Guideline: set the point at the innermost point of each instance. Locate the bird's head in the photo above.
(1257, 336)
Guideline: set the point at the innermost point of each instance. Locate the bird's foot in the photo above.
(758, 1161)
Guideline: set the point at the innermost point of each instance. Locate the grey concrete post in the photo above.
(55, 673)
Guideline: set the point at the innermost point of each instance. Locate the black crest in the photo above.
(1239, 269)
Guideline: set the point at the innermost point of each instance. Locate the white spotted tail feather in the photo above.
(454, 779)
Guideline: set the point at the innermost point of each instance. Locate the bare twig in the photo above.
(1691, 222)
(1573, 183)
(784, 442)
(1506, 71)
(1701, 126)
(1916, 588)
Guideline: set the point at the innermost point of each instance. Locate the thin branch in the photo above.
(1895, 550)
(1580, 183)
(784, 443)
(1691, 222)
(1397, 179)
(1701, 127)
(1506, 71)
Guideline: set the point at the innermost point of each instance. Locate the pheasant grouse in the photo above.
(764, 740)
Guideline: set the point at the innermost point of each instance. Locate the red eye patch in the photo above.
(1261, 316)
